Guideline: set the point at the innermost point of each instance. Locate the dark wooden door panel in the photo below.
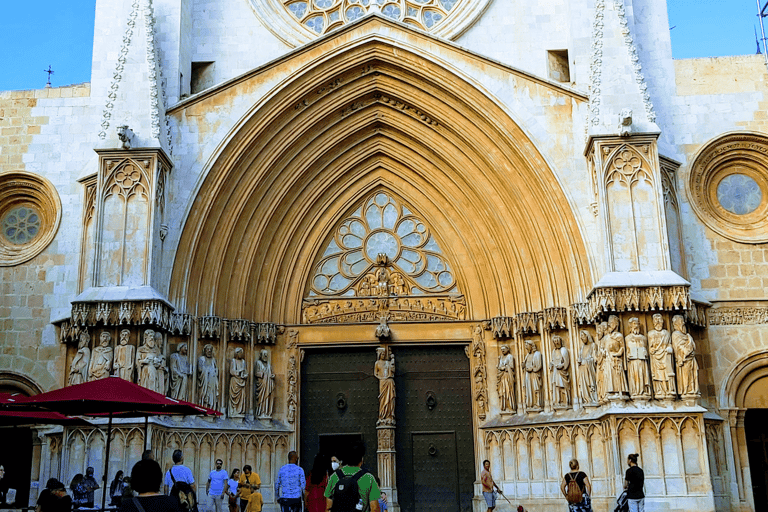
(339, 402)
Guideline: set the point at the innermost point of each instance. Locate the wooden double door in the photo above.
(433, 437)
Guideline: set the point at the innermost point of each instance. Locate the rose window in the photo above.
(382, 232)
(324, 15)
(297, 22)
(21, 225)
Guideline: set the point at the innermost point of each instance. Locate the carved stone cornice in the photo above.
(528, 322)
(738, 315)
(265, 332)
(556, 318)
(209, 326)
(502, 326)
(155, 313)
(602, 301)
(181, 323)
(239, 329)
(430, 308)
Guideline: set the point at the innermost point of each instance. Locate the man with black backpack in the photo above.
(350, 488)
(181, 483)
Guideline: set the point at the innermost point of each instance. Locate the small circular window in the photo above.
(21, 225)
(739, 194)
(728, 186)
(30, 213)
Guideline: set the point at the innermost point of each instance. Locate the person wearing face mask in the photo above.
(316, 483)
(215, 486)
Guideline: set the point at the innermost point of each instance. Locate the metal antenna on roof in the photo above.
(757, 41)
(50, 72)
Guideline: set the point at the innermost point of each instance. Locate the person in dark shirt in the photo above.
(54, 498)
(79, 491)
(91, 484)
(146, 478)
(634, 480)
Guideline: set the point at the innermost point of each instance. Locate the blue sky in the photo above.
(39, 33)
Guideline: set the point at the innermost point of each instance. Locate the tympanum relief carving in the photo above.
(382, 260)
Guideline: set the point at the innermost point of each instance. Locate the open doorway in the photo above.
(757, 447)
(16, 459)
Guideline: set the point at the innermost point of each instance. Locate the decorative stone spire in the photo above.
(135, 96)
(619, 102)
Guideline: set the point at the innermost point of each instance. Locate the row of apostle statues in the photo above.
(661, 365)
(153, 371)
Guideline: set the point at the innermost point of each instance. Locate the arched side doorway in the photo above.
(745, 396)
(20, 456)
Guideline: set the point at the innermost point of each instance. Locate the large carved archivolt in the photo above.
(371, 118)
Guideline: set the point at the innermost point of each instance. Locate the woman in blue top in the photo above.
(79, 491)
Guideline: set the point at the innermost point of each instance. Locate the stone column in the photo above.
(386, 462)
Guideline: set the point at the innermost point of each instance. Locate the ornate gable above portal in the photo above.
(382, 261)
(297, 22)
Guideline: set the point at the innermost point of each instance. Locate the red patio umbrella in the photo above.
(112, 397)
(16, 418)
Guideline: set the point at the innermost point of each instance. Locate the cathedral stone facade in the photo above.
(456, 230)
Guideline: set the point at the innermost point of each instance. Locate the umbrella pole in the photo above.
(104, 489)
(146, 431)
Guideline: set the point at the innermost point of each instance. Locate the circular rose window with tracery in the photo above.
(299, 21)
(728, 186)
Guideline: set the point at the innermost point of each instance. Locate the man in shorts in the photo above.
(488, 484)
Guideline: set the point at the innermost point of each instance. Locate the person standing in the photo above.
(232, 489)
(584, 489)
(368, 491)
(91, 484)
(290, 484)
(248, 483)
(215, 487)
(146, 477)
(486, 479)
(79, 491)
(116, 490)
(634, 480)
(318, 479)
(178, 473)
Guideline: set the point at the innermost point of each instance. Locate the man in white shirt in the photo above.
(215, 486)
(180, 473)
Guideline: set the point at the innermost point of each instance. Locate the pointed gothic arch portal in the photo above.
(377, 117)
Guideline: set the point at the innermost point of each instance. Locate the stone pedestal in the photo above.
(386, 463)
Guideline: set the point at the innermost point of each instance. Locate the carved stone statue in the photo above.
(238, 373)
(505, 380)
(148, 361)
(382, 330)
(78, 370)
(160, 364)
(384, 370)
(561, 373)
(124, 357)
(180, 372)
(207, 379)
(601, 359)
(614, 350)
(662, 360)
(687, 367)
(101, 359)
(587, 369)
(532, 366)
(637, 362)
(265, 386)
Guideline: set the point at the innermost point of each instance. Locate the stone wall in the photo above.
(28, 293)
